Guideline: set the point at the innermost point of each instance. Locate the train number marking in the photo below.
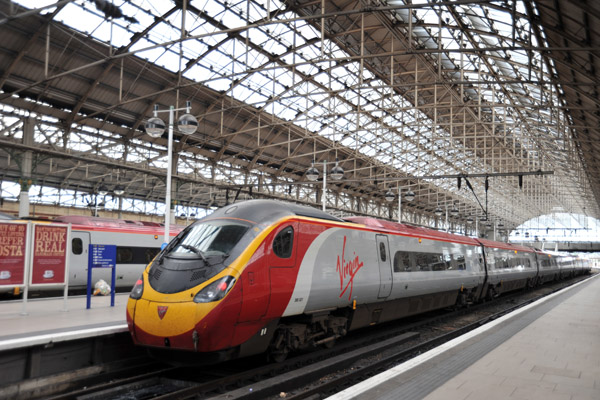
(347, 271)
(298, 299)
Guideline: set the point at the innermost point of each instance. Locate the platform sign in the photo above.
(102, 256)
(49, 254)
(13, 238)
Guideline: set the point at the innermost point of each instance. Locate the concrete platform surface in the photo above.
(47, 321)
(557, 357)
(549, 350)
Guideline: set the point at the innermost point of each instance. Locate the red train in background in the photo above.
(137, 244)
(266, 276)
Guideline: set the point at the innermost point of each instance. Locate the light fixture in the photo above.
(409, 196)
(500, 225)
(155, 126)
(187, 124)
(438, 211)
(102, 191)
(119, 190)
(389, 196)
(337, 172)
(454, 211)
(312, 174)
(469, 219)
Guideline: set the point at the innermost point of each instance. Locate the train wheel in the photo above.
(278, 355)
(279, 349)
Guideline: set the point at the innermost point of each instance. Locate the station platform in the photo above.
(548, 350)
(50, 320)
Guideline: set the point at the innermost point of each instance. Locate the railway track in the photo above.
(310, 375)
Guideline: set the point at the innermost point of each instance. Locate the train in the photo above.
(268, 277)
(137, 243)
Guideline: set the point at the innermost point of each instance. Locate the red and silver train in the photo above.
(137, 244)
(265, 276)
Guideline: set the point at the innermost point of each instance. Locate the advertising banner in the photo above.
(49, 254)
(13, 238)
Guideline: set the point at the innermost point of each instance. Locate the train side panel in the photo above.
(349, 268)
(134, 252)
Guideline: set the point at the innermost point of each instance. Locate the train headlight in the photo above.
(138, 289)
(215, 291)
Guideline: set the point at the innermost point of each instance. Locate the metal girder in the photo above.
(398, 91)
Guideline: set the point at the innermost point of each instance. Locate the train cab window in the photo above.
(284, 242)
(211, 238)
(76, 246)
(382, 252)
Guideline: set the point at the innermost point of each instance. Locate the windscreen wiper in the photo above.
(195, 250)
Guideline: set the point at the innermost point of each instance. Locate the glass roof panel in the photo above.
(331, 101)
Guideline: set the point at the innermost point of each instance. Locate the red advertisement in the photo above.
(49, 254)
(12, 253)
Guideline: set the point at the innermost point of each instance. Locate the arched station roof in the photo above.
(405, 94)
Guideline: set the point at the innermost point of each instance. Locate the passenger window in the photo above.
(124, 255)
(382, 252)
(448, 259)
(284, 242)
(401, 261)
(460, 262)
(150, 253)
(76, 246)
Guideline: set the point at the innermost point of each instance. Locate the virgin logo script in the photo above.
(347, 271)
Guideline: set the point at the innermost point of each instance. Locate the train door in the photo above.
(263, 279)
(78, 263)
(385, 268)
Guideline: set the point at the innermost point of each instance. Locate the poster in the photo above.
(49, 254)
(12, 253)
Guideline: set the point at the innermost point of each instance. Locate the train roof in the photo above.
(410, 230)
(271, 210)
(268, 211)
(108, 222)
(432, 234)
(96, 221)
(505, 246)
(5, 216)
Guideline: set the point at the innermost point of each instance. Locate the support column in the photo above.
(26, 166)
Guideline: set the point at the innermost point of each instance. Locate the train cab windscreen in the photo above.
(209, 238)
(197, 254)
